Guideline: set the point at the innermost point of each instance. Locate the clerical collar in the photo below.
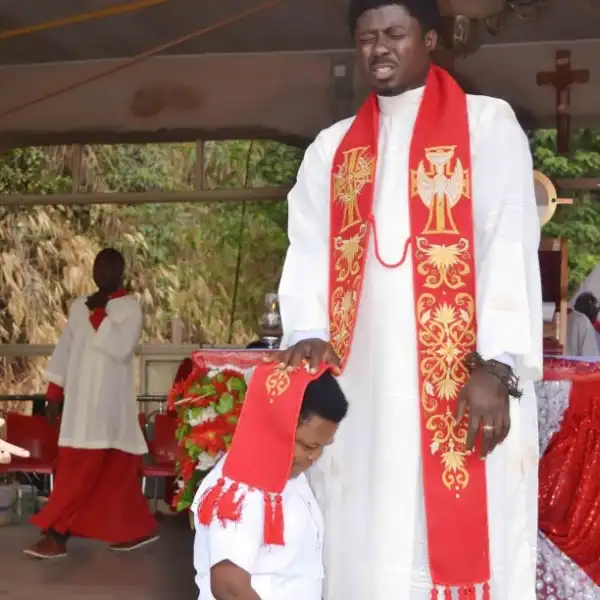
(392, 105)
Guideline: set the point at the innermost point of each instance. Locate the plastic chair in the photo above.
(35, 434)
(163, 452)
(142, 423)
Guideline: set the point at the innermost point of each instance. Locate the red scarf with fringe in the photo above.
(442, 241)
(262, 449)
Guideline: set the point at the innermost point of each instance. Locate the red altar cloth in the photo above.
(569, 496)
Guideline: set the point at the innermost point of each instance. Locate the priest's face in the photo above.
(312, 435)
(393, 49)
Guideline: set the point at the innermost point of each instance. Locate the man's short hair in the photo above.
(113, 257)
(427, 12)
(324, 398)
(587, 304)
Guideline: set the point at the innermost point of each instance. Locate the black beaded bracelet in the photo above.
(499, 370)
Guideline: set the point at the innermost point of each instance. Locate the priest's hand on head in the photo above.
(97, 300)
(486, 400)
(314, 350)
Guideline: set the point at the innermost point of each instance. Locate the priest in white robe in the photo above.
(370, 484)
(97, 492)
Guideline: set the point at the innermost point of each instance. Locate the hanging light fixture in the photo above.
(462, 19)
(527, 10)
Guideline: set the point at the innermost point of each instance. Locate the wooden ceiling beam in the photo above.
(268, 194)
(579, 185)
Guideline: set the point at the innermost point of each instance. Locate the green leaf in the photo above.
(195, 413)
(225, 404)
(181, 431)
(236, 384)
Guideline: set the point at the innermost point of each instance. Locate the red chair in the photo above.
(163, 452)
(35, 434)
(142, 423)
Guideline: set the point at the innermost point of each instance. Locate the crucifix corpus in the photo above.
(562, 78)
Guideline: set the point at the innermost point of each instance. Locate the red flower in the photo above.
(186, 468)
(214, 436)
(220, 386)
(231, 374)
(209, 435)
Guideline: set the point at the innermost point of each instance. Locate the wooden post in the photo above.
(199, 166)
(562, 78)
(76, 164)
(177, 331)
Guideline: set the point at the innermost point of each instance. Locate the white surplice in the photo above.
(369, 483)
(96, 370)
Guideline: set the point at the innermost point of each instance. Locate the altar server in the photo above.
(97, 493)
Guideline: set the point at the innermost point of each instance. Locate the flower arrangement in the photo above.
(208, 405)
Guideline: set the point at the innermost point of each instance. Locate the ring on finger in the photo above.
(488, 427)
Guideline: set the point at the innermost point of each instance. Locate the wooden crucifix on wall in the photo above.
(562, 78)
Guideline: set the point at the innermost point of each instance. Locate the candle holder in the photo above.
(270, 322)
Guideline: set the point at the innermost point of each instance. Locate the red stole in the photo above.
(441, 222)
(98, 314)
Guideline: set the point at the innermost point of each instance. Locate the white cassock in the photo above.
(290, 572)
(581, 336)
(96, 370)
(369, 483)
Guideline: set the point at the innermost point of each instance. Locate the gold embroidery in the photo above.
(441, 264)
(450, 442)
(344, 302)
(348, 253)
(357, 170)
(447, 333)
(277, 383)
(440, 188)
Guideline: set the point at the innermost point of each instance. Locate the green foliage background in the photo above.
(578, 223)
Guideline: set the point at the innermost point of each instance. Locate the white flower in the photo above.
(206, 461)
(208, 414)
(248, 374)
